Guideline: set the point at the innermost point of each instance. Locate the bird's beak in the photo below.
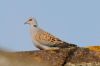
(26, 22)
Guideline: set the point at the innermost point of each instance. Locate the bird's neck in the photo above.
(33, 28)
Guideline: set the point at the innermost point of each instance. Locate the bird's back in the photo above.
(48, 39)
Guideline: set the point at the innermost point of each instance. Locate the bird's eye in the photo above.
(30, 19)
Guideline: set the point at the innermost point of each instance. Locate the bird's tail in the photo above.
(66, 45)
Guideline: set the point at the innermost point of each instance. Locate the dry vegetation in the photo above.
(94, 48)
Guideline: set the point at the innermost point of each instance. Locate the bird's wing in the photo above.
(46, 38)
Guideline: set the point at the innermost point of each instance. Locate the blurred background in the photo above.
(74, 21)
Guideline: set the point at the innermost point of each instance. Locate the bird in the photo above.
(44, 40)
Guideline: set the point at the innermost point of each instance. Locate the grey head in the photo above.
(32, 22)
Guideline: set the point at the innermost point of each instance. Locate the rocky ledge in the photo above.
(62, 57)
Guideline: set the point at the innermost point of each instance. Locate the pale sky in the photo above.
(74, 21)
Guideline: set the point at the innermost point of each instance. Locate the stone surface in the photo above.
(35, 58)
(84, 57)
(62, 57)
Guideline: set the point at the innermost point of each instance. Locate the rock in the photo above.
(62, 57)
(84, 57)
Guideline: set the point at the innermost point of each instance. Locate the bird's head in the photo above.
(32, 22)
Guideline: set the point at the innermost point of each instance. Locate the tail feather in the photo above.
(66, 45)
